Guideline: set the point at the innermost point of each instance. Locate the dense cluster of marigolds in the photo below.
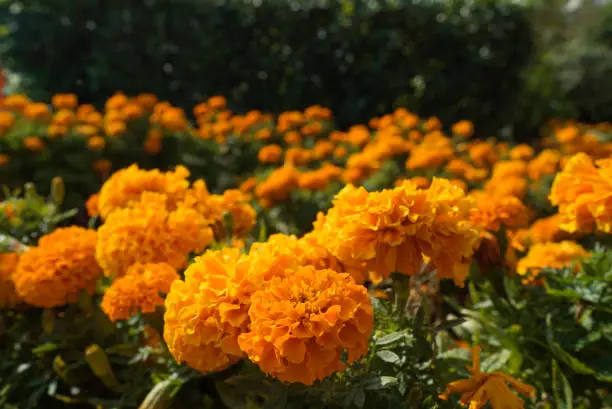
(295, 305)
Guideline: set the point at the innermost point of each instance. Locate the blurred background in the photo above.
(508, 66)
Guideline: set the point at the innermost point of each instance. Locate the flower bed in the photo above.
(258, 261)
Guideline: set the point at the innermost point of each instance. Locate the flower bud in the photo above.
(58, 190)
(98, 362)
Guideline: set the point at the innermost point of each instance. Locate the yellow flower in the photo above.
(492, 388)
(8, 294)
(127, 185)
(207, 311)
(115, 128)
(550, 255)
(174, 119)
(435, 150)
(522, 152)
(546, 163)
(150, 232)
(16, 102)
(278, 185)
(59, 268)
(583, 192)
(138, 291)
(302, 322)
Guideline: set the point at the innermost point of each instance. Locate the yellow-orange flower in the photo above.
(278, 184)
(550, 255)
(583, 192)
(494, 211)
(150, 232)
(8, 266)
(4, 159)
(302, 322)
(92, 205)
(391, 230)
(59, 268)
(96, 143)
(463, 128)
(64, 101)
(522, 152)
(34, 144)
(546, 163)
(38, 111)
(493, 388)
(270, 154)
(102, 166)
(127, 185)
(207, 311)
(138, 291)
(435, 150)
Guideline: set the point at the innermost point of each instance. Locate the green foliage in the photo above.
(358, 58)
(558, 334)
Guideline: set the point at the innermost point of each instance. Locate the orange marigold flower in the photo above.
(96, 143)
(293, 138)
(138, 291)
(435, 150)
(248, 184)
(217, 102)
(236, 204)
(115, 128)
(303, 321)
(494, 211)
(277, 186)
(55, 131)
(64, 117)
(391, 230)
(116, 102)
(207, 311)
(504, 169)
(583, 192)
(92, 205)
(482, 154)
(546, 163)
(132, 110)
(127, 185)
(510, 186)
(38, 111)
(153, 146)
(102, 166)
(550, 255)
(270, 154)
(146, 100)
(149, 232)
(16, 102)
(64, 101)
(59, 268)
(493, 388)
(7, 120)
(174, 119)
(463, 128)
(34, 144)
(522, 152)
(4, 159)
(8, 266)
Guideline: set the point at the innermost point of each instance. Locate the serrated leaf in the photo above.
(562, 389)
(381, 382)
(388, 356)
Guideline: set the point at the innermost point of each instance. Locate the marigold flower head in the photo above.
(522, 152)
(38, 111)
(207, 311)
(546, 163)
(4, 159)
(150, 232)
(64, 101)
(34, 144)
(96, 143)
(391, 231)
(435, 150)
(463, 128)
(278, 185)
(482, 154)
(302, 322)
(61, 266)
(583, 192)
(482, 388)
(102, 166)
(494, 211)
(270, 154)
(8, 266)
(504, 169)
(92, 205)
(129, 184)
(510, 186)
(549, 255)
(138, 291)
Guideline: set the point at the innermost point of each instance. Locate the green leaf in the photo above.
(446, 325)
(496, 361)
(230, 397)
(380, 382)
(360, 398)
(562, 389)
(45, 348)
(391, 338)
(388, 356)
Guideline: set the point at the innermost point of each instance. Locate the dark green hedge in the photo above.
(458, 59)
